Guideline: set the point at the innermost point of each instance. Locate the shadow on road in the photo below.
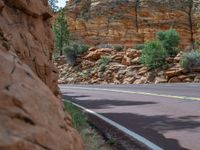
(104, 103)
(151, 127)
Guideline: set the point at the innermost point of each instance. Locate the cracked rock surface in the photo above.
(31, 116)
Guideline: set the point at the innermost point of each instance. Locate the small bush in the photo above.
(103, 62)
(118, 48)
(77, 48)
(73, 49)
(153, 54)
(138, 46)
(190, 60)
(170, 40)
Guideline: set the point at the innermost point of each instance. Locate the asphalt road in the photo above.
(166, 114)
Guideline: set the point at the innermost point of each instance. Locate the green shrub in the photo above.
(103, 62)
(77, 48)
(170, 40)
(190, 60)
(138, 46)
(72, 50)
(118, 48)
(153, 54)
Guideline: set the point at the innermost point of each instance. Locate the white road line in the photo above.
(132, 134)
(140, 93)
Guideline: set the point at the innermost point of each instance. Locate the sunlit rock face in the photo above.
(31, 116)
(127, 22)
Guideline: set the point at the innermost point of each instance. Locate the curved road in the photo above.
(166, 114)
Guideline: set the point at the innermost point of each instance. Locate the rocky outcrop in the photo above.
(124, 68)
(129, 22)
(31, 116)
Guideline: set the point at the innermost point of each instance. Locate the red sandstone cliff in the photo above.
(127, 22)
(31, 117)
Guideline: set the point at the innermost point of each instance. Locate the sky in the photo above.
(61, 3)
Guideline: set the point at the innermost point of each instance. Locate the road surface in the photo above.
(166, 114)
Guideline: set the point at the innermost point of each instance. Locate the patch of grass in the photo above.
(79, 120)
(92, 141)
(111, 141)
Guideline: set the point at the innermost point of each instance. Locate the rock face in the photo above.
(30, 114)
(127, 22)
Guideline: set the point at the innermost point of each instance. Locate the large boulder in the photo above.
(31, 116)
(96, 54)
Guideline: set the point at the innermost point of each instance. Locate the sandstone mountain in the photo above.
(31, 116)
(130, 22)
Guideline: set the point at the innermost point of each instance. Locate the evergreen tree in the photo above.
(61, 33)
(52, 4)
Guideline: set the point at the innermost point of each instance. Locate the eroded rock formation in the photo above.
(130, 21)
(31, 117)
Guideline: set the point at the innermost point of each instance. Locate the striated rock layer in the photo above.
(129, 22)
(31, 117)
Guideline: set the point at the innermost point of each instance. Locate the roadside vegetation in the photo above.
(191, 60)
(103, 62)
(92, 141)
(154, 53)
(63, 43)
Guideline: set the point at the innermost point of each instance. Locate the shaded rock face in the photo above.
(31, 117)
(27, 29)
(127, 22)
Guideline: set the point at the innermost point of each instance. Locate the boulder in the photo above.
(143, 70)
(129, 80)
(141, 80)
(174, 71)
(160, 80)
(133, 53)
(174, 80)
(96, 54)
(182, 77)
(126, 61)
(178, 57)
(197, 79)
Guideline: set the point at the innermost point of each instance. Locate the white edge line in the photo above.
(134, 135)
(140, 93)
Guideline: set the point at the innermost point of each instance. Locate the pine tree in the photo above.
(52, 4)
(61, 33)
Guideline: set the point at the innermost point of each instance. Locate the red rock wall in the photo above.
(101, 21)
(31, 117)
